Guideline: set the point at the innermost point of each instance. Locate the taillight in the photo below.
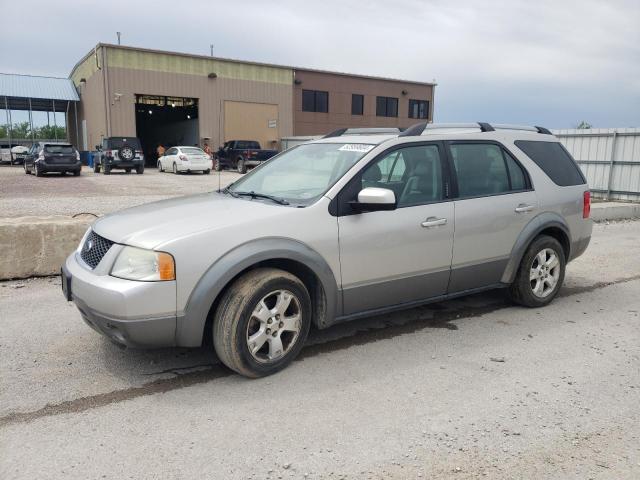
(586, 204)
(183, 158)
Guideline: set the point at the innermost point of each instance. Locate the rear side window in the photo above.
(484, 169)
(554, 160)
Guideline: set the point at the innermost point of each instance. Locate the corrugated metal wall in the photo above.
(609, 158)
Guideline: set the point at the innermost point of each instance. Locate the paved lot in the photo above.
(463, 389)
(22, 195)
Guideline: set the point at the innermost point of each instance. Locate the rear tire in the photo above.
(139, 170)
(175, 169)
(207, 171)
(540, 274)
(241, 166)
(76, 173)
(256, 346)
(128, 170)
(27, 170)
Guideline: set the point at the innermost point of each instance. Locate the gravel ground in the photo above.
(471, 388)
(23, 195)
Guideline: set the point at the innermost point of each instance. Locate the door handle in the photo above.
(434, 222)
(523, 208)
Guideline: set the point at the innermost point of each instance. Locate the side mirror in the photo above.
(372, 199)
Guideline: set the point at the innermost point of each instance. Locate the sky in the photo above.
(550, 63)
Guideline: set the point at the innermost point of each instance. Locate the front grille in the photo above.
(95, 247)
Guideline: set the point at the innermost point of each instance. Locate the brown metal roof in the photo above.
(207, 57)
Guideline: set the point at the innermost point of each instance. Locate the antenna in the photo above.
(211, 49)
(219, 172)
(118, 34)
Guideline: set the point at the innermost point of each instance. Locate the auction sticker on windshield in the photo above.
(356, 147)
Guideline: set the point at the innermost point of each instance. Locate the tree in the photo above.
(50, 132)
(21, 130)
(4, 131)
(583, 125)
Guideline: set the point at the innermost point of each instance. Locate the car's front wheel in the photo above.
(540, 274)
(160, 169)
(262, 322)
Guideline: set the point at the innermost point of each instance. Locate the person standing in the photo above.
(160, 151)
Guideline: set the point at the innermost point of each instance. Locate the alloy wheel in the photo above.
(274, 326)
(544, 273)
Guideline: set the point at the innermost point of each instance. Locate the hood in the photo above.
(152, 224)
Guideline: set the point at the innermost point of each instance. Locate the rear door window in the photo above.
(484, 169)
(554, 160)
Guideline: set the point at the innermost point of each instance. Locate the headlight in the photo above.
(144, 265)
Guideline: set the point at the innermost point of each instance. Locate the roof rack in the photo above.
(363, 131)
(434, 128)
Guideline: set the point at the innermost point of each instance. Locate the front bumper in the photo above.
(131, 313)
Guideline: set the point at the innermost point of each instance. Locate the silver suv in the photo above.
(332, 230)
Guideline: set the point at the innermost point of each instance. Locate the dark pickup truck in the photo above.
(240, 154)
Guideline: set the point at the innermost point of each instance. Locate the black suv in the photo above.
(45, 157)
(119, 152)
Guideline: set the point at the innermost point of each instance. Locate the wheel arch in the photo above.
(193, 327)
(547, 223)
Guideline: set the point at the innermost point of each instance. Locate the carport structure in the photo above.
(37, 94)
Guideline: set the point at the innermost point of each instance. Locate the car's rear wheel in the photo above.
(107, 170)
(76, 173)
(540, 274)
(262, 322)
(207, 171)
(241, 166)
(128, 170)
(140, 169)
(175, 169)
(27, 170)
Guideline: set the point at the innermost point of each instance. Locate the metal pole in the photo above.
(611, 158)
(6, 108)
(55, 125)
(66, 124)
(118, 33)
(75, 116)
(31, 121)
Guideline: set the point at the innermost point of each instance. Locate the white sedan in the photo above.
(185, 159)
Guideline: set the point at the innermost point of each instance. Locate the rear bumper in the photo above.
(60, 167)
(193, 167)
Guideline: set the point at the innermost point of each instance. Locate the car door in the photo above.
(31, 155)
(495, 200)
(404, 255)
(168, 158)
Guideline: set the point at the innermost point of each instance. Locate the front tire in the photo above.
(216, 165)
(540, 274)
(160, 169)
(38, 170)
(262, 322)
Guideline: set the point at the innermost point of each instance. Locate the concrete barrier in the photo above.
(603, 211)
(37, 246)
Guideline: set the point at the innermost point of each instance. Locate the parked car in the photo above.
(241, 154)
(47, 157)
(184, 159)
(119, 153)
(5, 153)
(334, 230)
(18, 154)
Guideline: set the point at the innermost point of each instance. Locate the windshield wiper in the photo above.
(230, 192)
(253, 194)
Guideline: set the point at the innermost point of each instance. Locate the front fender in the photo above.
(529, 232)
(190, 325)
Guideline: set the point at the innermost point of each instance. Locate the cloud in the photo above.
(544, 62)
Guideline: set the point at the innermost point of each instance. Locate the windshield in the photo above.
(192, 151)
(304, 173)
(59, 149)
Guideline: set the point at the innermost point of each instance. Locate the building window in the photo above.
(357, 104)
(315, 101)
(418, 109)
(386, 107)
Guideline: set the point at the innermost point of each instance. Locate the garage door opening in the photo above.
(166, 121)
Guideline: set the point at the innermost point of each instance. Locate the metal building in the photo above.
(175, 98)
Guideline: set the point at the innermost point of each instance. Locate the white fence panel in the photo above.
(609, 158)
